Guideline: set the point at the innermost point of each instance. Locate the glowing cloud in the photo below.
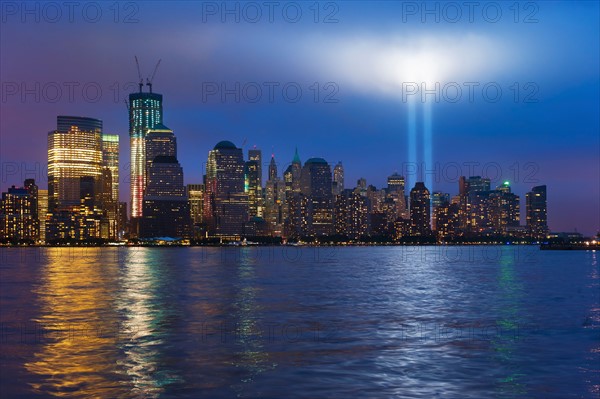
(372, 64)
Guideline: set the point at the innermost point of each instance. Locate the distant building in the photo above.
(18, 215)
(351, 214)
(316, 188)
(166, 212)
(338, 178)
(276, 208)
(110, 182)
(226, 201)
(76, 175)
(420, 210)
(396, 192)
(195, 194)
(122, 220)
(42, 213)
(537, 218)
(253, 183)
(447, 223)
(145, 112)
(159, 141)
(438, 199)
(504, 209)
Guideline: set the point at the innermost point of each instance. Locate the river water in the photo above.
(300, 322)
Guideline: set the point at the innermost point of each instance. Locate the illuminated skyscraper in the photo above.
(166, 211)
(76, 179)
(537, 217)
(253, 183)
(74, 151)
(159, 141)
(110, 183)
(226, 202)
(420, 210)
(195, 194)
(275, 201)
(254, 154)
(351, 214)
(316, 188)
(110, 160)
(338, 178)
(42, 213)
(296, 171)
(438, 199)
(272, 168)
(18, 214)
(145, 112)
(396, 192)
(504, 209)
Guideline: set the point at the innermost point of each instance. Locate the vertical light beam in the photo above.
(428, 167)
(412, 145)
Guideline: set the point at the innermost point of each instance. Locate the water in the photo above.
(274, 322)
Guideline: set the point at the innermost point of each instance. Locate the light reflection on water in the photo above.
(299, 322)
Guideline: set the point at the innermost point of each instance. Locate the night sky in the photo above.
(362, 57)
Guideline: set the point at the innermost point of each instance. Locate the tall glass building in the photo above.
(74, 151)
(226, 202)
(537, 214)
(110, 159)
(420, 202)
(338, 179)
(253, 183)
(145, 112)
(316, 187)
(110, 182)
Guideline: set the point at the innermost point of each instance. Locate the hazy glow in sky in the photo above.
(381, 65)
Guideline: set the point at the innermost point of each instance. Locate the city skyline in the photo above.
(550, 140)
(162, 144)
(309, 202)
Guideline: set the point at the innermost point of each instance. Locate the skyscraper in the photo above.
(254, 154)
(75, 176)
(166, 212)
(474, 193)
(504, 209)
(272, 168)
(438, 199)
(420, 210)
(195, 194)
(42, 213)
(159, 141)
(110, 160)
(296, 171)
(145, 112)
(351, 214)
(226, 202)
(338, 178)
(18, 214)
(253, 183)
(396, 192)
(110, 186)
(537, 219)
(275, 201)
(316, 188)
(74, 151)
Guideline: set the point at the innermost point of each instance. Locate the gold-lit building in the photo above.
(110, 182)
(42, 206)
(75, 172)
(18, 216)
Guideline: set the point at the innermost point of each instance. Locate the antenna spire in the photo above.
(137, 64)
